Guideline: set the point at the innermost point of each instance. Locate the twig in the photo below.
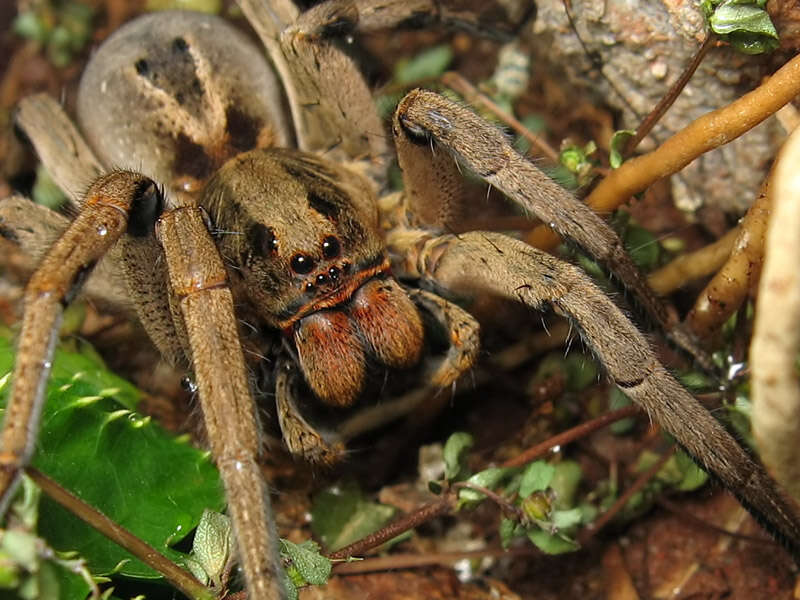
(693, 265)
(473, 96)
(601, 521)
(669, 98)
(392, 530)
(729, 288)
(411, 561)
(570, 435)
(178, 577)
(507, 507)
(705, 133)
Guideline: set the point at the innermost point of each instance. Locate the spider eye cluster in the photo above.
(330, 247)
(302, 264)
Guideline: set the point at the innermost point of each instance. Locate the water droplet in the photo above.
(189, 385)
(734, 369)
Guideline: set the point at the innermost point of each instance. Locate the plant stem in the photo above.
(178, 577)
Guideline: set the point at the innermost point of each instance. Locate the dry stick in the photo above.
(706, 133)
(669, 98)
(395, 528)
(505, 505)
(693, 265)
(178, 577)
(601, 521)
(570, 435)
(776, 337)
(411, 561)
(470, 93)
(729, 288)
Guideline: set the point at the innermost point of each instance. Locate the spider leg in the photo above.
(426, 401)
(488, 19)
(463, 336)
(434, 186)
(488, 262)
(328, 98)
(114, 203)
(299, 435)
(69, 160)
(199, 284)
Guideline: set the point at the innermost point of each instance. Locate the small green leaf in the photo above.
(581, 371)
(565, 482)
(551, 543)
(536, 477)
(341, 515)
(642, 246)
(693, 476)
(616, 400)
(306, 558)
(428, 64)
(508, 531)
(212, 544)
(564, 519)
(488, 478)
(744, 23)
(618, 141)
(455, 454)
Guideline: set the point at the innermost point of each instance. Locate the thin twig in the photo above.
(669, 98)
(601, 521)
(703, 134)
(471, 94)
(405, 523)
(180, 578)
(570, 435)
(411, 561)
(507, 507)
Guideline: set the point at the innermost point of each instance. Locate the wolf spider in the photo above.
(197, 201)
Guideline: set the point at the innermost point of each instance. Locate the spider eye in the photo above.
(330, 247)
(263, 240)
(302, 264)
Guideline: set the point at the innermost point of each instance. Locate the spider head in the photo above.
(301, 240)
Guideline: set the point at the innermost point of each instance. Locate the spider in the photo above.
(197, 198)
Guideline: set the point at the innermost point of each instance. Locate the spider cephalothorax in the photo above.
(293, 240)
(300, 237)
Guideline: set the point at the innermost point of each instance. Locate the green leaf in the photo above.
(536, 477)
(618, 141)
(306, 558)
(743, 23)
(145, 479)
(211, 548)
(551, 543)
(508, 531)
(428, 64)
(693, 476)
(341, 515)
(565, 482)
(581, 371)
(642, 246)
(618, 399)
(489, 478)
(564, 519)
(455, 454)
